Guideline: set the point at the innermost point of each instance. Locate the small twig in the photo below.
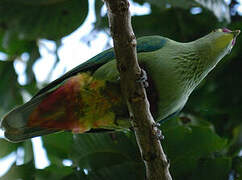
(157, 166)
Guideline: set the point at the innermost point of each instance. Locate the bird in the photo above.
(88, 98)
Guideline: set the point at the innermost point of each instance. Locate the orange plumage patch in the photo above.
(80, 104)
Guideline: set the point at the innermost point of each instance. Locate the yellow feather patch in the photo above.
(80, 104)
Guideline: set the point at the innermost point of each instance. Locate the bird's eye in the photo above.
(217, 30)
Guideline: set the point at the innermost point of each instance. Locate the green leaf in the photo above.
(213, 168)
(126, 170)
(53, 172)
(58, 146)
(103, 155)
(25, 171)
(192, 141)
(189, 143)
(7, 147)
(47, 19)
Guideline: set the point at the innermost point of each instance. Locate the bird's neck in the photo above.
(190, 69)
(195, 64)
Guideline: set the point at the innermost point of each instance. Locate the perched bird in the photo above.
(88, 98)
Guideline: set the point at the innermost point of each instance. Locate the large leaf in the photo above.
(189, 143)
(25, 171)
(58, 147)
(114, 156)
(216, 168)
(53, 172)
(125, 170)
(180, 138)
(47, 19)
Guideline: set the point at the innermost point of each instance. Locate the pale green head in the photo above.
(223, 41)
(214, 46)
(203, 54)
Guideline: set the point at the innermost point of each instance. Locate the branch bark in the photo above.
(157, 166)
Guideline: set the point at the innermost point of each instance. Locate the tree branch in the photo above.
(157, 166)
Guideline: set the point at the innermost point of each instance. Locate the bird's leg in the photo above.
(143, 79)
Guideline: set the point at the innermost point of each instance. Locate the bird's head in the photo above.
(214, 46)
(209, 50)
(223, 40)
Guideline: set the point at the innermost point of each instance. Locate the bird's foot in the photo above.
(143, 79)
(159, 134)
(157, 124)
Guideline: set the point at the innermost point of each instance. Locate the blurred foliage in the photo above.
(31, 20)
(204, 142)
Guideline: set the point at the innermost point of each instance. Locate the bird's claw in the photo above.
(143, 79)
(159, 134)
(157, 124)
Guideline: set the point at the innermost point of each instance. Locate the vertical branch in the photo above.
(157, 166)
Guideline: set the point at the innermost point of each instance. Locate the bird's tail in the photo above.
(15, 123)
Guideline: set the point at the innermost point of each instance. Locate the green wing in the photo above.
(144, 44)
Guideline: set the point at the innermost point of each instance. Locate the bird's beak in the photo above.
(235, 33)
